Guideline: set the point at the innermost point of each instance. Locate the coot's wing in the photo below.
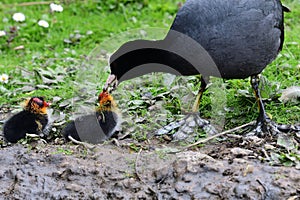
(242, 37)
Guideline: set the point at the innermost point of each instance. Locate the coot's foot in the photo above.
(265, 126)
(187, 127)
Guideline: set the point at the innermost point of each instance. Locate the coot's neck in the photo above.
(140, 57)
(177, 53)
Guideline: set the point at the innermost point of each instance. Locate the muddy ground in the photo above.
(218, 170)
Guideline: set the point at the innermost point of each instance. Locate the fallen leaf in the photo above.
(56, 99)
(285, 141)
(290, 94)
(27, 88)
(40, 86)
(65, 103)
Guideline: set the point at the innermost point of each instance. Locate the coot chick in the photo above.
(98, 126)
(32, 120)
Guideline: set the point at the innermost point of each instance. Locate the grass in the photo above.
(42, 45)
(55, 63)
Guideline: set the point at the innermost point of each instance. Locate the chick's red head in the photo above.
(40, 102)
(37, 105)
(106, 101)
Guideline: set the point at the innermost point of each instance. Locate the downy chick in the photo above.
(33, 119)
(98, 126)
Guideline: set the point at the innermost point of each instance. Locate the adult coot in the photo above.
(232, 39)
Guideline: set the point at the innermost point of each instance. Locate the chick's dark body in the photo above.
(93, 128)
(24, 122)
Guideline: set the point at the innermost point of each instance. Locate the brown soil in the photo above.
(215, 171)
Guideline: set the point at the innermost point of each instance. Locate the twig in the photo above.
(33, 136)
(12, 186)
(138, 175)
(265, 195)
(124, 136)
(84, 144)
(136, 164)
(220, 134)
(234, 136)
(265, 153)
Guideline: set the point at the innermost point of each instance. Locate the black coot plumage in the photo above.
(98, 126)
(33, 120)
(227, 39)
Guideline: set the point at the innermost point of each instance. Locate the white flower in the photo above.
(4, 78)
(56, 8)
(19, 17)
(2, 33)
(43, 23)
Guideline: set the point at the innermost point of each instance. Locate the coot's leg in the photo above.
(263, 119)
(264, 125)
(202, 89)
(188, 125)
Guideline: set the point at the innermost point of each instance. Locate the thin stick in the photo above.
(234, 136)
(265, 188)
(86, 145)
(220, 134)
(138, 175)
(136, 164)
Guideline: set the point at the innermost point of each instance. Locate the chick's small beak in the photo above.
(46, 104)
(112, 82)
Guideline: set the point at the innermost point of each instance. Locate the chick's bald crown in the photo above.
(36, 105)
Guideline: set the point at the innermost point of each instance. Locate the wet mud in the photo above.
(67, 171)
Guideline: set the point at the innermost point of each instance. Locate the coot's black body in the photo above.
(241, 36)
(230, 39)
